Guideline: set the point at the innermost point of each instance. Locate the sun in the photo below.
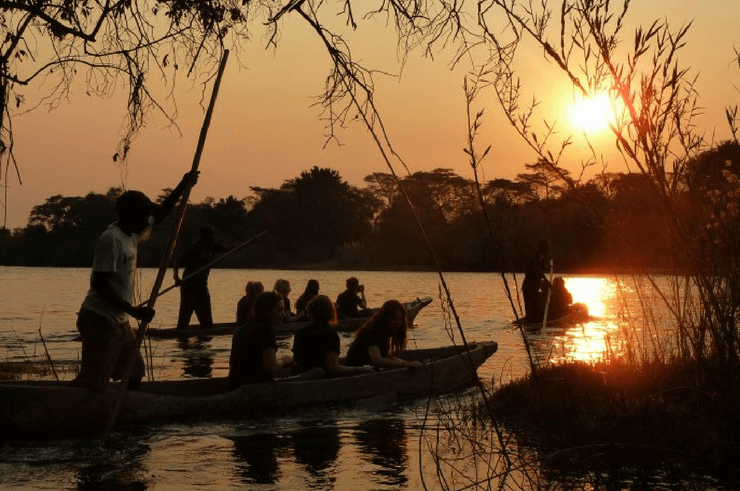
(591, 114)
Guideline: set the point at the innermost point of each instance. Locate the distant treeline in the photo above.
(317, 220)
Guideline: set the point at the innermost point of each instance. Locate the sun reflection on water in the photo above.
(588, 341)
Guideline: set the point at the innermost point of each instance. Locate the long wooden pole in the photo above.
(210, 264)
(167, 258)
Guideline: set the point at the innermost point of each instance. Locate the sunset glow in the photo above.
(591, 115)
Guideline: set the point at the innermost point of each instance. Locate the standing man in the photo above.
(534, 280)
(108, 341)
(194, 294)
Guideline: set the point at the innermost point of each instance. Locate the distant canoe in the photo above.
(49, 409)
(229, 328)
(577, 313)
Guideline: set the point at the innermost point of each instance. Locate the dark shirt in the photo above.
(535, 273)
(311, 344)
(347, 303)
(195, 257)
(357, 355)
(302, 302)
(245, 364)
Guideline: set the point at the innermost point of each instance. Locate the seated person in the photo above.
(318, 345)
(381, 339)
(311, 292)
(283, 288)
(560, 300)
(351, 302)
(254, 346)
(245, 307)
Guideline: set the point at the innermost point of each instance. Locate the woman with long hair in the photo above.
(318, 345)
(311, 292)
(381, 339)
(254, 346)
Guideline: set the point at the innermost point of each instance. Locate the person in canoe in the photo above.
(245, 306)
(108, 341)
(351, 302)
(560, 299)
(318, 345)
(282, 286)
(534, 282)
(311, 292)
(381, 339)
(254, 348)
(194, 294)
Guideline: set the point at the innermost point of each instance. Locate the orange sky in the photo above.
(265, 131)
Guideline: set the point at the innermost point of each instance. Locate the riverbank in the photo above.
(680, 415)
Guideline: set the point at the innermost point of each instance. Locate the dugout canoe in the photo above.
(229, 328)
(49, 409)
(577, 313)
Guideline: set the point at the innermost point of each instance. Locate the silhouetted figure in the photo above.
(254, 346)
(108, 341)
(534, 279)
(318, 345)
(560, 300)
(311, 292)
(194, 294)
(245, 306)
(381, 339)
(351, 302)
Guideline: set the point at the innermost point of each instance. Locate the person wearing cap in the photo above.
(194, 294)
(108, 341)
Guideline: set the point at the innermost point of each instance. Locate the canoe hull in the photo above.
(229, 328)
(27, 411)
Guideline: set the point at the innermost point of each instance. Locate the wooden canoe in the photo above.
(47, 409)
(577, 313)
(229, 328)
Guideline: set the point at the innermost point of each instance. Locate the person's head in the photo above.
(352, 283)
(392, 321)
(558, 283)
(282, 287)
(322, 311)
(269, 307)
(207, 234)
(134, 210)
(312, 287)
(254, 288)
(543, 247)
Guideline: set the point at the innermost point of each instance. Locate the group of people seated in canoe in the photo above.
(350, 303)
(316, 348)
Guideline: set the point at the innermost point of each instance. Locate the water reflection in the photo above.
(197, 356)
(317, 448)
(383, 443)
(118, 466)
(256, 457)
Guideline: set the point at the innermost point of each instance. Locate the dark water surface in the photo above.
(330, 448)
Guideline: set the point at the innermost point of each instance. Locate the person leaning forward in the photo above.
(108, 341)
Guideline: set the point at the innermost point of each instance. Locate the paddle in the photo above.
(547, 303)
(167, 258)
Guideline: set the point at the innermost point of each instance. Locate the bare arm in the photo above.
(380, 361)
(100, 283)
(334, 369)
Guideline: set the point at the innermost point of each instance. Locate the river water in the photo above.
(338, 448)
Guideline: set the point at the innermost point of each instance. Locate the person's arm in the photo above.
(176, 270)
(380, 361)
(187, 181)
(100, 283)
(269, 360)
(334, 369)
(363, 302)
